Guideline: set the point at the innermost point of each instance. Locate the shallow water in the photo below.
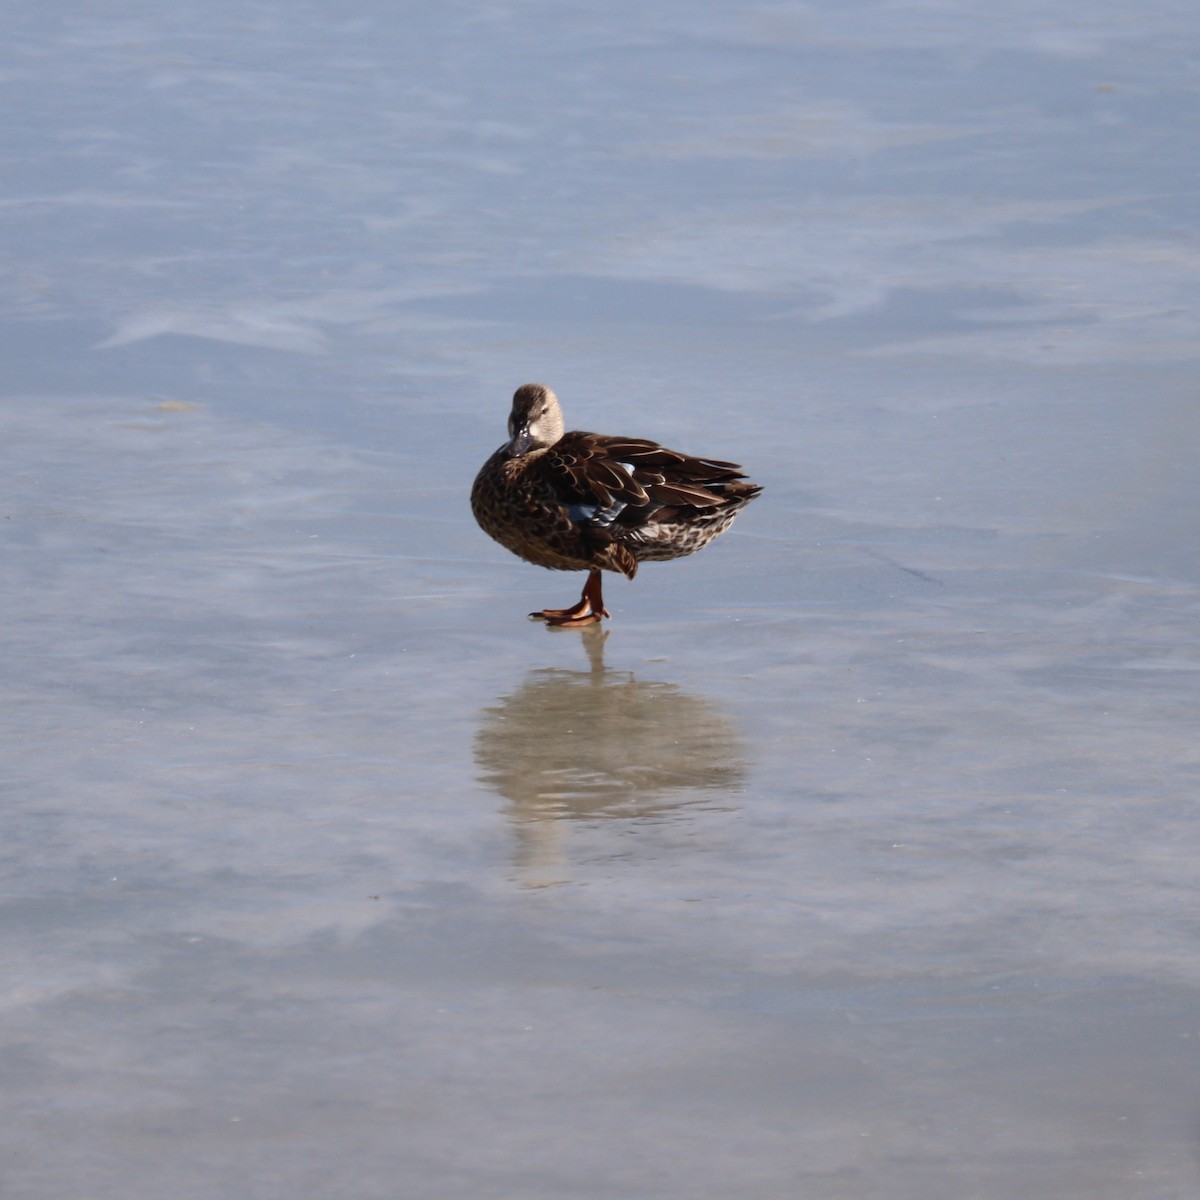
(855, 859)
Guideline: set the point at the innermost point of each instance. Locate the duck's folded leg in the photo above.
(588, 611)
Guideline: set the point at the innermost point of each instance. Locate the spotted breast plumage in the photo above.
(586, 502)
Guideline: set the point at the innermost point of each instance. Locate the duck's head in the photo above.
(536, 421)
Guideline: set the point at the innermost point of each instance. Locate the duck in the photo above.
(577, 501)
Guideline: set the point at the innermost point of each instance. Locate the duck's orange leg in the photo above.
(588, 611)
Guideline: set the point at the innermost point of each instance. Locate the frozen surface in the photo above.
(858, 860)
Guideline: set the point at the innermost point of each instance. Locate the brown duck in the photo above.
(585, 502)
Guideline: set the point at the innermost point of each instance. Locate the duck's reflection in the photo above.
(599, 744)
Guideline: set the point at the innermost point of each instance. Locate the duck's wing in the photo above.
(597, 478)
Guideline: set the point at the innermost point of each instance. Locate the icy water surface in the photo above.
(856, 858)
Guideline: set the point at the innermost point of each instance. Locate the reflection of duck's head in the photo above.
(590, 745)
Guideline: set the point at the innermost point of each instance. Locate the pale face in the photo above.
(536, 419)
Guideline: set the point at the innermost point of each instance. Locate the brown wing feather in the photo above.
(583, 470)
(682, 493)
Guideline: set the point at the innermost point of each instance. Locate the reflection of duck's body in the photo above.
(575, 751)
(582, 501)
(573, 744)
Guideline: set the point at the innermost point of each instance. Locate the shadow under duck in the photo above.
(586, 502)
